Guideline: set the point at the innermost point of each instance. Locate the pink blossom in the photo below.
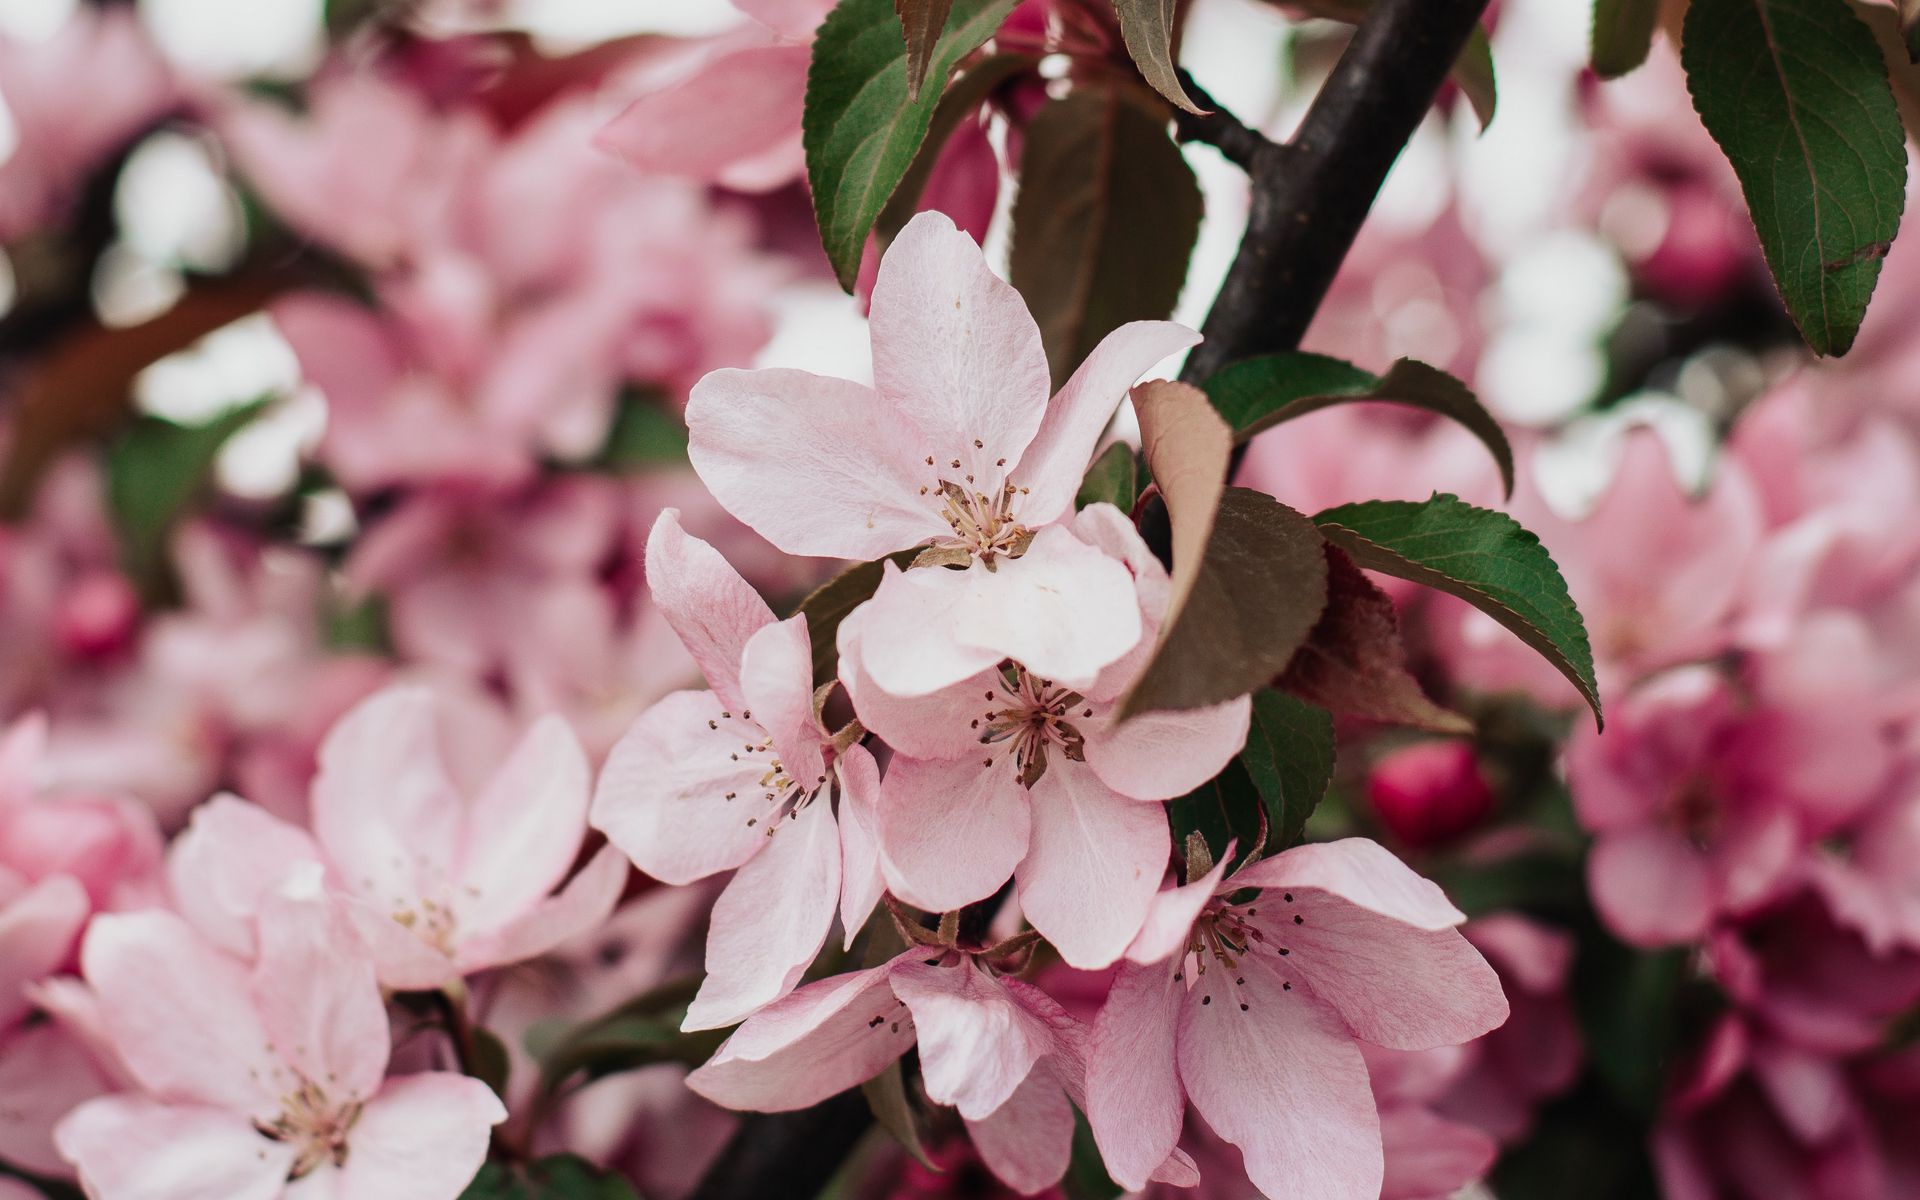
(741, 778)
(1252, 1010)
(958, 447)
(1429, 793)
(1537, 1054)
(998, 1050)
(1010, 773)
(265, 1079)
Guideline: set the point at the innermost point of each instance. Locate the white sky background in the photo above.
(1556, 291)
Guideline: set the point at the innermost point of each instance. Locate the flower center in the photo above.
(1031, 715)
(431, 922)
(1225, 936)
(780, 795)
(981, 515)
(314, 1125)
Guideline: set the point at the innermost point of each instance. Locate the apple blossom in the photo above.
(1009, 773)
(700, 784)
(265, 1079)
(956, 448)
(1251, 1009)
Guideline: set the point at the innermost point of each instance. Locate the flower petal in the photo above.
(734, 121)
(178, 1013)
(815, 465)
(38, 928)
(976, 1042)
(663, 792)
(231, 855)
(424, 1137)
(1397, 985)
(523, 830)
(819, 1040)
(776, 682)
(1170, 919)
(1652, 886)
(131, 1148)
(1058, 456)
(956, 351)
(861, 880)
(1161, 755)
(706, 601)
(1284, 1082)
(579, 907)
(939, 724)
(1430, 1156)
(1093, 864)
(384, 808)
(950, 832)
(771, 920)
(1134, 1101)
(1362, 872)
(1028, 1141)
(315, 990)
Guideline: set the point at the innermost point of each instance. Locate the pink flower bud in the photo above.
(1430, 793)
(98, 616)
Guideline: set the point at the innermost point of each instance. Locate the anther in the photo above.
(1298, 919)
(1286, 987)
(978, 444)
(1205, 1000)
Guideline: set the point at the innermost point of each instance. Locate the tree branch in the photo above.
(1243, 146)
(1310, 199)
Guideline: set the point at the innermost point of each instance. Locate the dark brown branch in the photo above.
(1242, 145)
(1309, 200)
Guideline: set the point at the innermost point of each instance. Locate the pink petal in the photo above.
(796, 19)
(579, 907)
(1809, 1092)
(37, 932)
(771, 921)
(662, 796)
(1134, 1100)
(776, 681)
(957, 352)
(1651, 885)
(132, 1148)
(1283, 1081)
(424, 1137)
(403, 959)
(712, 609)
(734, 121)
(523, 829)
(1362, 872)
(936, 725)
(1058, 457)
(178, 1012)
(1093, 864)
(1028, 1141)
(1161, 755)
(902, 646)
(232, 855)
(1171, 916)
(1428, 1156)
(976, 1043)
(317, 997)
(45, 1073)
(950, 832)
(819, 1040)
(861, 879)
(1063, 609)
(815, 465)
(384, 808)
(1396, 984)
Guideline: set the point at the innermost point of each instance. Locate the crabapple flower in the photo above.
(1000, 1051)
(741, 778)
(444, 882)
(1011, 773)
(1251, 1009)
(956, 448)
(262, 1080)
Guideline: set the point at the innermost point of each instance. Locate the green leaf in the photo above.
(962, 99)
(1224, 811)
(1622, 35)
(887, 1097)
(1104, 223)
(1087, 1177)
(1353, 662)
(1147, 28)
(859, 129)
(1627, 1002)
(489, 1061)
(362, 627)
(644, 434)
(1289, 757)
(153, 474)
(1258, 393)
(1113, 478)
(1484, 557)
(828, 605)
(557, 1177)
(921, 22)
(1797, 96)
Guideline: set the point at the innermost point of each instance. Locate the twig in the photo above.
(1245, 147)
(1310, 199)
